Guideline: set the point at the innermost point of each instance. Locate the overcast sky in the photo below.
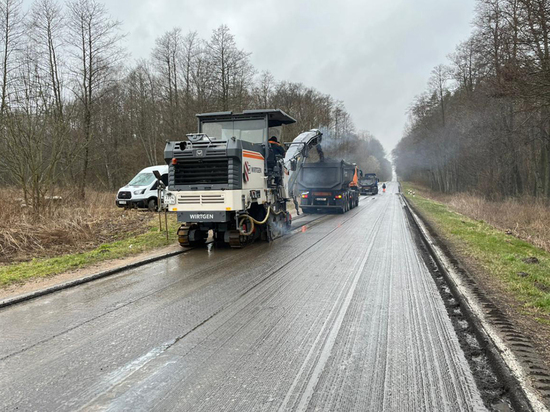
(375, 55)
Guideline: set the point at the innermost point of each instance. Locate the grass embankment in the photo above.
(132, 245)
(519, 268)
(70, 234)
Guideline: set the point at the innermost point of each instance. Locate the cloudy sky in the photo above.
(375, 55)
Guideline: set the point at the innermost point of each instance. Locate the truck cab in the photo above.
(368, 184)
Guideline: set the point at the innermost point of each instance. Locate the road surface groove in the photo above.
(344, 316)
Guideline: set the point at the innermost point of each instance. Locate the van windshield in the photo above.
(367, 180)
(142, 179)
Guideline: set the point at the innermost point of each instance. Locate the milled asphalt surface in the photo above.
(343, 316)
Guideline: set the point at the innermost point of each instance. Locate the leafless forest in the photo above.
(76, 109)
(483, 124)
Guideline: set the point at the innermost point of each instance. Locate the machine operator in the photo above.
(277, 148)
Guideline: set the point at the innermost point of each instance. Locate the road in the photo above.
(340, 316)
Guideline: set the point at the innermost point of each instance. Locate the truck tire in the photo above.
(343, 209)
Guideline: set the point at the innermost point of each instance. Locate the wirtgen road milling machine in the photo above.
(226, 178)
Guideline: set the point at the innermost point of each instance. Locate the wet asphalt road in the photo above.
(342, 316)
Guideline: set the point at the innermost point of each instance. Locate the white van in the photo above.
(142, 189)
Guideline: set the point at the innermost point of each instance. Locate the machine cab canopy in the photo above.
(254, 126)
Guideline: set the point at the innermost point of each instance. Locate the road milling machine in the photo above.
(227, 179)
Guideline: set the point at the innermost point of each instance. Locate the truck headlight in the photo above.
(139, 192)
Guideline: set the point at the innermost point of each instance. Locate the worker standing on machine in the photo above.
(277, 148)
(384, 188)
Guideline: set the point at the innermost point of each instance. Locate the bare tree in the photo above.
(263, 91)
(11, 27)
(47, 32)
(33, 140)
(168, 56)
(231, 68)
(203, 80)
(96, 52)
(190, 50)
(144, 112)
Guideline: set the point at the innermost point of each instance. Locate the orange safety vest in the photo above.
(355, 179)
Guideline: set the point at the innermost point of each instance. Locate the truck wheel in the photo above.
(152, 205)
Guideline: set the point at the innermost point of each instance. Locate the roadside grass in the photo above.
(66, 225)
(526, 217)
(130, 245)
(499, 254)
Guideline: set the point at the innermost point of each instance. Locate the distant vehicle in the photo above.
(368, 184)
(328, 185)
(142, 191)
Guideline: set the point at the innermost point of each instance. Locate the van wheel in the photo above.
(152, 205)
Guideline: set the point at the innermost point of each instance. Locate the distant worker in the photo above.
(384, 188)
(277, 148)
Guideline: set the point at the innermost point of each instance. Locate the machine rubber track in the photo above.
(235, 240)
(185, 233)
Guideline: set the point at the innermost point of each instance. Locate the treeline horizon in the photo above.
(483, 124)
(74, 109)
